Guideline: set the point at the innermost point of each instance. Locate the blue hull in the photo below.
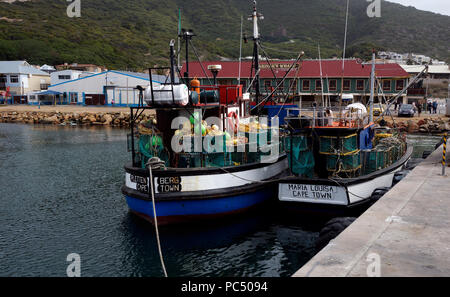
(176, 211)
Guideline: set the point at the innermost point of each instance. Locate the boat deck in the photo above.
(408, 230)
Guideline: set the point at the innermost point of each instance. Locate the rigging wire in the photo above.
(278, 50)
(293, 82)
(270, 65)
(198, 58)
(281, 82)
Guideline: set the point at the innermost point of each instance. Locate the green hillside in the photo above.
(134, 34)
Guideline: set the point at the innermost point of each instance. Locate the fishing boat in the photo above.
(338, 156)
(204, 155)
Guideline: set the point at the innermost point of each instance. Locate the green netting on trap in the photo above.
(299, 142)
(200, 160)
(373, 160)
(151, 145)
(387, 152)
(338, 145)
(302, 163)
(344, 163)
(301, 158)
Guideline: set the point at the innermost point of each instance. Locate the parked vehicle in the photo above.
(377, 109)
(406, 110)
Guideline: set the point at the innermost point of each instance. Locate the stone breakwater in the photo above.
(433, 125)
(113, 119)
(423, 125)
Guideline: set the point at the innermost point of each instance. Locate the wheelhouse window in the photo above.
(318, 85)
(14, 79)
(267, 84)
(333, 85)
(2, 78)
(306, 85)
(65, 77)
(386, 85)
(399, 84)
(360, 85)
(346, 85)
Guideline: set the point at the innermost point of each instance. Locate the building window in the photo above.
(63, 77)
(44, 86)
(333, 85)
(346, 85)
(399, 85)
(318, 85)
(14, 79)
(295, 86)
(74, 97)
(306, 85)
(360, 85)
(386, 85)
(291, 86)
(225, 82)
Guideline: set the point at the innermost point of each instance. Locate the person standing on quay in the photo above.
(435, 106)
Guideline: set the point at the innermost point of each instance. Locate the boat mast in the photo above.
(372, 87)
(240, 52)
(179, 39)
(343, 59)
(321, 78)
(255, 16)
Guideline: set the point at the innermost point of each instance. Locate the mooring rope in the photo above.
(156, 163)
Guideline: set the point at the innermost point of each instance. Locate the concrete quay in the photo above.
(406, 233)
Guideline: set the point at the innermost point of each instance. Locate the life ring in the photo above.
(233, 121)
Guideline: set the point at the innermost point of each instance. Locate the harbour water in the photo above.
(60, 194)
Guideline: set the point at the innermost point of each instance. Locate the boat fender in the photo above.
(331, 230)
(233, 121)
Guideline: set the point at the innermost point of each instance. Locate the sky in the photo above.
(437, 6)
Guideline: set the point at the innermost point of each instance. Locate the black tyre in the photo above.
(377, 194)
(425, 154)
(398, 176)
(332, 228)
(412, 164)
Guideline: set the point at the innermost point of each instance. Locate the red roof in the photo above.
(309, 69)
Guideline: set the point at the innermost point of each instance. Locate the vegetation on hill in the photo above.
(134, 34)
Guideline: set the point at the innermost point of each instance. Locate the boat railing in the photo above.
(329, 117)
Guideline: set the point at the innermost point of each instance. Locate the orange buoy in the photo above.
(195, 85)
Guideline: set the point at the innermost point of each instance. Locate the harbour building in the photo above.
(309, 80)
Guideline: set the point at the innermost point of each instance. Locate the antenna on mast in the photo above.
(254, 18)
